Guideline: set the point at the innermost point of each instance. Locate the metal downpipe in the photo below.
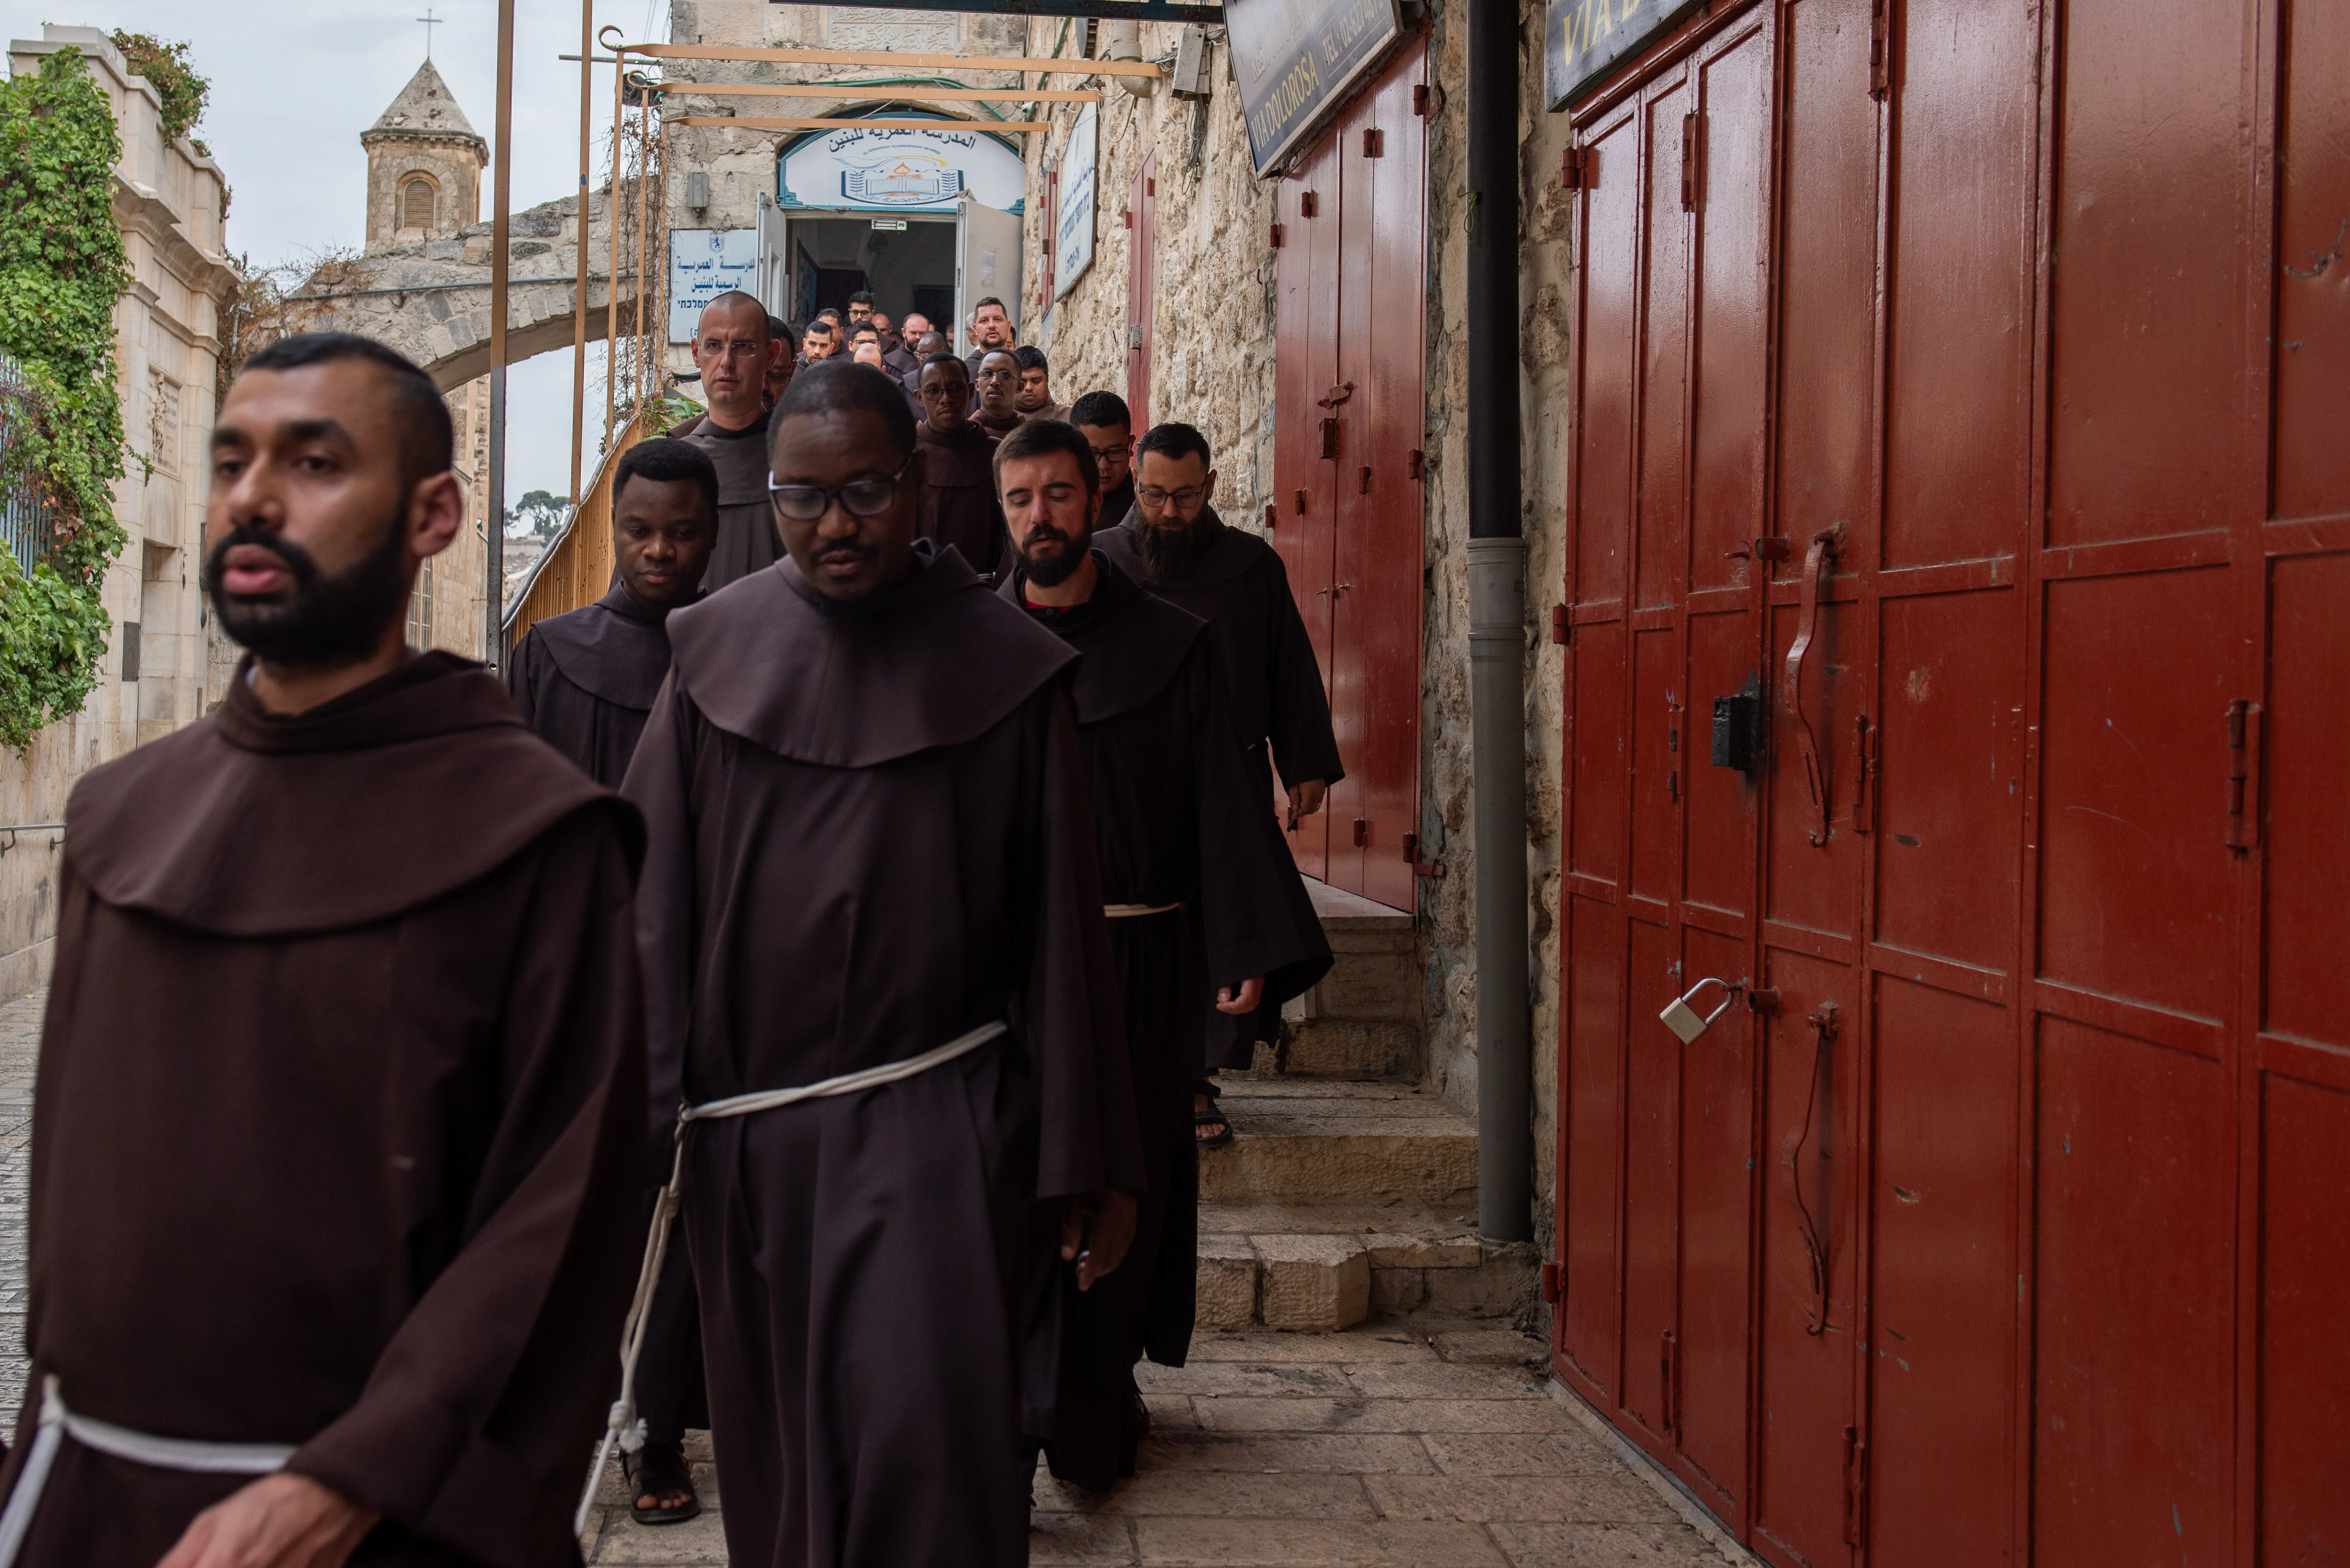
(1497, 615)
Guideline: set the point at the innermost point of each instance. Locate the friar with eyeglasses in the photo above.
(958, 504)
(735, 348)
(1174, 545)
(879, 981)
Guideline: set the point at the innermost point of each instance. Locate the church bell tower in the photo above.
(424, 165)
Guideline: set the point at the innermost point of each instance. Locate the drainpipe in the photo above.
(1497, 617)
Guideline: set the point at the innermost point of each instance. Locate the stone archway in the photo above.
(431, 299)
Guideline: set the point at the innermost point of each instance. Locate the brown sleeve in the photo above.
(1077, 1024)
(477, 1424)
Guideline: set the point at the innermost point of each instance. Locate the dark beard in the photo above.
(1053, 570)
(332, 620)
(1166, 548)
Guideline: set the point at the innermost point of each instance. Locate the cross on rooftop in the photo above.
(431, 22)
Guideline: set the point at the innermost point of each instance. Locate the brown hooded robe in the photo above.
(340, 1137)
(959, 506)
(747, 539)
(1181, 820)
(1235, 582)
(869, 835)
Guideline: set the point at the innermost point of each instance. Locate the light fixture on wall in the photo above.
(697, 190)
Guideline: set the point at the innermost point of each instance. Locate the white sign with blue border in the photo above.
(1073, 226)
(908, 171)
(702, 264)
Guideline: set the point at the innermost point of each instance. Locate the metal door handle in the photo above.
(1816, 559)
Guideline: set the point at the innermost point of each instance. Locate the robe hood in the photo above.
(616, 650)
(251, 824)
(1218, 555)
(935, 661)
(1132, 644)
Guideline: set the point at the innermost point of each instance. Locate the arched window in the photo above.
(417, 195)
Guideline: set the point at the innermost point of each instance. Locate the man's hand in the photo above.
(1096, 1231)
(1304, 800)
(1251, 992)
(282, 1521)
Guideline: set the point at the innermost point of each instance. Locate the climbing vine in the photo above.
(166, 69)
(62, 268)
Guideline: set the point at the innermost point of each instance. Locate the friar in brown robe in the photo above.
(338, 1160)
(737, 354)
(1180, 550)
(586, 682)
(958, 505)
(1200, 894)
(869, 840)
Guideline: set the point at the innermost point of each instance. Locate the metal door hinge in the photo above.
(1415, 464)
(1864, 774)
(1150, 186)
(1301, 503)
(1880, 49)
(1330, 436)
(1126, 217)
(2243, 830)
(1856, 1487)
(1579, 168)
(1558, 625)
(1553, 1283)
(1276, 236)
(1362, 833)
(1272, 515)
(1420, 98)
(1366, 489)
(1375, 144)
(1693, 158)
(1412, 857)
(1306, 203)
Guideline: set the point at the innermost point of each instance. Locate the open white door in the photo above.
(987, 262)
(775, 271)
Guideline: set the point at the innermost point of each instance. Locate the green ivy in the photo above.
(166, 69)
(62, 268)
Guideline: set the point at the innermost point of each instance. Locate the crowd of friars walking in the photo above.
(902, 812)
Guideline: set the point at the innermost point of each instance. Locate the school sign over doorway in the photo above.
(1295, 60)
(910, 171)
(1582, 39)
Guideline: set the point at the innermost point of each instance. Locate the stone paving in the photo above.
(1385, 1445)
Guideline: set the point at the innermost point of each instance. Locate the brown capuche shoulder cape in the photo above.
(1181, 818)
(959, 506)
(586, 680)
(340, 1129)
(869, 835)
(746, 540)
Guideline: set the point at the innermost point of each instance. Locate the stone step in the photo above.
(1362, 1019)
(1305, 1139)
(1323, 1267)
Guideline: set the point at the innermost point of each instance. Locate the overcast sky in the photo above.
(294, 87)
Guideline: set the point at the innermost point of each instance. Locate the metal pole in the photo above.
(1497, 616)
(612, 289)
(494, 589)
(644, 265)
(580, 239)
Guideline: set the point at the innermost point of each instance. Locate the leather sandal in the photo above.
(657, 1469)
(1213, 1116)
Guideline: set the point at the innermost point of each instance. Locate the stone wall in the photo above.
(1213, 365)
(168, 202)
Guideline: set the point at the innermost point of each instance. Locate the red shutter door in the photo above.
(1306, 364)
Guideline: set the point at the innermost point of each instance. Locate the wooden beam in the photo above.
(1099, 10)
(1002, 126)
(867, 93)
(1046, 65)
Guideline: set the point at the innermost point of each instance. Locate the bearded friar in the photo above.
(1174, 545)
(338, 1155)
(878, 973)
(1199, 896)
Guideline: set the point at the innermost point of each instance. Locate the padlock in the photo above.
(1686, 1022)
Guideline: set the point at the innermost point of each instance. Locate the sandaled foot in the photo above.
(661, 1486)
(1208, 1124)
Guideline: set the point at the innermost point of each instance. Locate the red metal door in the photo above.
(2054, 1119)
(1306, 365)
(1141, 269)
(1350, 423)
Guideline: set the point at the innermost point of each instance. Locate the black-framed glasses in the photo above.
(858, 498)
(1180, 498)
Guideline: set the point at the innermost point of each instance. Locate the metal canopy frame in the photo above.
(863, 92)
(1003, 127)
(887, 57)
(1101, 10)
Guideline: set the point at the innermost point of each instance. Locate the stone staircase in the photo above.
(1348, 1189)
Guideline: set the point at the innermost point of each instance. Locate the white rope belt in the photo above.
(1129, 911)
(58, 1423)
(621, 1424)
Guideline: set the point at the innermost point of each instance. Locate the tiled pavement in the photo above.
(1378, 1446)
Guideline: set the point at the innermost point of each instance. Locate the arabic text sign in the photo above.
(900, 170)
(1584, 39)
(1073, 227)
(1297, 58)
(702, 264)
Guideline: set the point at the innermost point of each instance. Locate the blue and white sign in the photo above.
(702, 264)
(1073, 227)
(912, 171)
